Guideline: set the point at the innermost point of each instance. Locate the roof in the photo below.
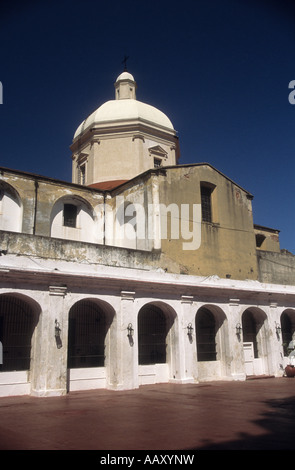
(120, 111)
(125, 76)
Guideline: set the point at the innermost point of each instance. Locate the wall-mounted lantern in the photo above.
(239, 330)
(278, 329)
(130, 333)
(57, 331)
(190, 332)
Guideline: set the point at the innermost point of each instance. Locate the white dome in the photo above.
(116, 111)
(125, 76)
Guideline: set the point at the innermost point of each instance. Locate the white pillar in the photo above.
(127, 345)
(156, 219)
(50, 353)
(189, 339)
(237, 362)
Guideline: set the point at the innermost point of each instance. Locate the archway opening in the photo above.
(89, 348)
(250, 329)
(87, 332)
(152, 332)
(288, 329)
(206, 335)
(17, 324)
(255, 341)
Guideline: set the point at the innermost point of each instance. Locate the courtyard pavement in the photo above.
(253, 415)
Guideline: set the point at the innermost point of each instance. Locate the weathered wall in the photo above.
(276, 268)
(267, 239)
(228, 246)
(80, 252)
(38, 195)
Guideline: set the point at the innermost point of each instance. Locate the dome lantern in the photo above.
(125, 87)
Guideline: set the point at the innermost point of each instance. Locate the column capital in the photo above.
(273, 304)
(58, 290)
(127, 295)
(187, 299)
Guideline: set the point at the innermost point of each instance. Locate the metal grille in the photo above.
(206, 204)
(152, 332)
(205, 332)
(87, 330)
(17, 324)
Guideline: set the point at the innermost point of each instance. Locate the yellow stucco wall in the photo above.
(228, 246)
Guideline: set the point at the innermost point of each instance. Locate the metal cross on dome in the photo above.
(124, 61)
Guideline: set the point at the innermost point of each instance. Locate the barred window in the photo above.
(206, 203)
(152, 332)
(205, 331)
(87, 331)
(17, 324)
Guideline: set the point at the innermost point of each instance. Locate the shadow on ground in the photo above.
(279, 425)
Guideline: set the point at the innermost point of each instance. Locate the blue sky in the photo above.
(219, 69)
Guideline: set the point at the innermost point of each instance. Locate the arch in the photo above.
(256, 347)
(288, 328)
(206, 335)
(208, 321)
(11, 208)
(72, 217)
(155, 320)
(89, 322)
(253, 319)
(19, 316)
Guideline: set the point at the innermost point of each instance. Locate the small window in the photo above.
(157, 162)
(259, 240)
(206, 203)
(81, 174)
(70, 215)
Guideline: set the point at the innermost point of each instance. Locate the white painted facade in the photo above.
(52, 288)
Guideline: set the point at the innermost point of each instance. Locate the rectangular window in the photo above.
(70, 215)
(157, 162)
(81, 174)
(206, 204)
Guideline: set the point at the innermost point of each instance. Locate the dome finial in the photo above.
(124, 61)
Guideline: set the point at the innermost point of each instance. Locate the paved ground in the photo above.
(256, 414)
